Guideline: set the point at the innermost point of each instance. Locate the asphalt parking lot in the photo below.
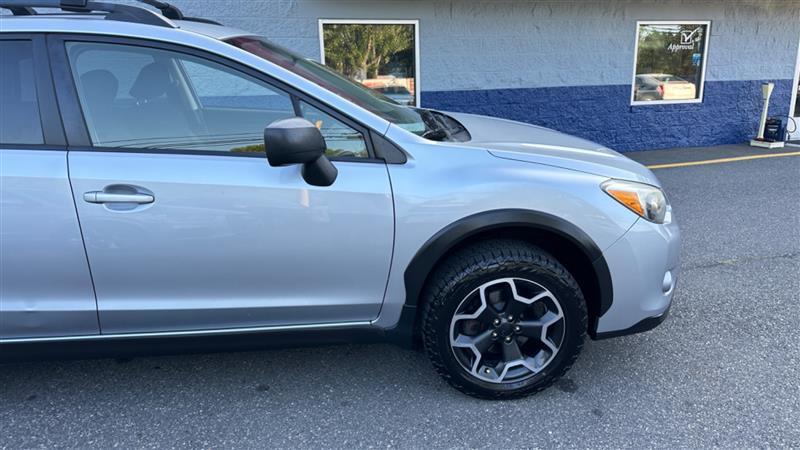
(723, 371)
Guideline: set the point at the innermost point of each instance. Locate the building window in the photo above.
(380, 54)
(670, 62)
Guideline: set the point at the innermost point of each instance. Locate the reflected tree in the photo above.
(359, 51)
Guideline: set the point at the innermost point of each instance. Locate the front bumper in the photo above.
(644, 268)
(640, 327)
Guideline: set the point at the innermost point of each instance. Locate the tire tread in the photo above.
(486, 257)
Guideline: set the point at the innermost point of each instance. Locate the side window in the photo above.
(19, 108)
(146, 98)
(342, 140)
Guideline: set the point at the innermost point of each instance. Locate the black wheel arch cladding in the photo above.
(461, 231)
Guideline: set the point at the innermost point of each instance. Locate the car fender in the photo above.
(448, 238)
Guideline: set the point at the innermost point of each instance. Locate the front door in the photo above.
(186, 225)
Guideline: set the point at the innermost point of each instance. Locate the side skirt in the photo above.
(182, 342)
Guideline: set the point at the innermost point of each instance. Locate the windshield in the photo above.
(373, 101)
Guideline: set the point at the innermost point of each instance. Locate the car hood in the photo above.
(523, 142)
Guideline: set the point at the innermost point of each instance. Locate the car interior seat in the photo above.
(157, 115)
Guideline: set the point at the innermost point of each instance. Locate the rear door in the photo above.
(186, 225)
(45, 286)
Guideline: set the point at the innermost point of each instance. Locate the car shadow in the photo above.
(282, 375)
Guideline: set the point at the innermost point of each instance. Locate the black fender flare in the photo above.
(443, 241)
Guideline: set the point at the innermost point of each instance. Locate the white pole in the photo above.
(766, 92)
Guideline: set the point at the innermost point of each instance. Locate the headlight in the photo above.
(647, 201)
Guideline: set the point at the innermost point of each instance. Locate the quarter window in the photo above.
(20, 122)
(342, 140)
(670, 62)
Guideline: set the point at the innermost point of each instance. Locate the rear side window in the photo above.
(20, 122)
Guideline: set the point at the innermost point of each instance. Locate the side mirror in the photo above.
(298, 141)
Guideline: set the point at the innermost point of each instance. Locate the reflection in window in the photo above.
(146, 98)
(342, 141)
(19, 109)
(797, 101)
(670, 61)
(381, 56)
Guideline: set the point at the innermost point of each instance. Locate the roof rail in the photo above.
(172, 12)
(21, 10)
(115, 11)
(167, 10)
(28, 4)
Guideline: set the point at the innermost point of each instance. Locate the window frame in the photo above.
(49, 116)
(794, 104)
(76, 126)
(706, 38)
(415, 22)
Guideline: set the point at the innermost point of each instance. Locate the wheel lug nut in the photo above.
(496, 322)
(510, 318)
(508, 339)
(494, 334)
(517, 328)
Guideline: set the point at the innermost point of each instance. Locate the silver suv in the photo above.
(168, 183)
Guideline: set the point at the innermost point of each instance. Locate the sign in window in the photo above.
(382, 55)
(670, 62)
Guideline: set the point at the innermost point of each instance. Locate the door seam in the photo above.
(394, 243)
(83, 243)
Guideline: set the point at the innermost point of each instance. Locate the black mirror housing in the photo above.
(293, 141)
(298, 141)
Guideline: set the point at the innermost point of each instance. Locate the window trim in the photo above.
(795, 98)
(78, 134)
(49, 116)
(415, 22)
(706, 39)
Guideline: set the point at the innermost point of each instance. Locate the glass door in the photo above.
(793, 127)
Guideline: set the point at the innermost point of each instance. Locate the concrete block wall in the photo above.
(565, 64)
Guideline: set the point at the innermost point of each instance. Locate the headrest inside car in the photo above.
(100, 86)
(153, 81)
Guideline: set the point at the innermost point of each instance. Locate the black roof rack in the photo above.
(21, 10)
(172, 12)
(114, 11)
(167, 10)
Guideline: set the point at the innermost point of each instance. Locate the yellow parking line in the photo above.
(721, 160)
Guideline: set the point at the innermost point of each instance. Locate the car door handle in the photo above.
(105, 197)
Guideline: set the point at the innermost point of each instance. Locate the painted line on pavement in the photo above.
(721, 160)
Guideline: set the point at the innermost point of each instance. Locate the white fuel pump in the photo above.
(759, 141)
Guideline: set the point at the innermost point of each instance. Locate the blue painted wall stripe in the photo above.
(728, 114)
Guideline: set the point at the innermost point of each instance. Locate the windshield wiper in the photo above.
(437, 131)
(437, 134)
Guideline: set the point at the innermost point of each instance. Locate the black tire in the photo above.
(467, 269)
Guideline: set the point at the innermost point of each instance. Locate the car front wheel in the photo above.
(502, 319)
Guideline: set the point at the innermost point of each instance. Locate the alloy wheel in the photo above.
(507, 330)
